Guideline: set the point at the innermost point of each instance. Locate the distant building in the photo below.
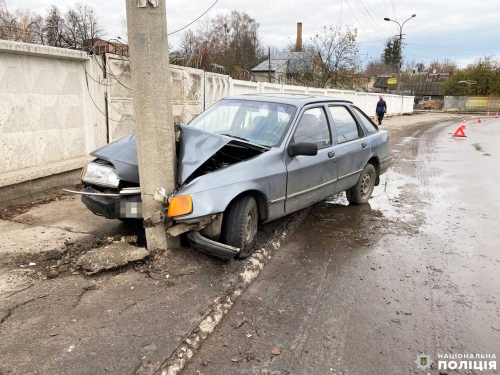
(421, 85)
(101, 46)
(286, 67)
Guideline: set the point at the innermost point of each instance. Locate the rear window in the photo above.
(367, 122)
(345, 125)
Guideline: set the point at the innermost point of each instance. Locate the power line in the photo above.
(372, 24)
(393, 9)
(373, 20)
(441, 47)
(441, 51)
(189, 24)
(360, 25)
(386, 26)
(97, 107)
(385, 6)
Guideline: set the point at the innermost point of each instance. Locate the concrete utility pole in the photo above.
(400, 50)
(398, 82)
(149, 64)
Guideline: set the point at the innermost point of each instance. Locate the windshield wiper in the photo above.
(233, 136)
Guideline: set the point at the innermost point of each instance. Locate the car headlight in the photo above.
(99, 174)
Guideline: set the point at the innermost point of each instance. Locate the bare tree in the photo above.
(331, 59)
(22, 25)
(81, 25)
(78, 27)
(376, 67)
(228, 42)
(411, 66)
(444, 66)
(54, 27)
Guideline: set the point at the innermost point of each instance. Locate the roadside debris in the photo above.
(113, 256)
(276, 351)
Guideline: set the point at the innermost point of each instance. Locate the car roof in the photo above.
(292, 99)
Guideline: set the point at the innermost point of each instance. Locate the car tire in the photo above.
(362, 191)
(239, 228)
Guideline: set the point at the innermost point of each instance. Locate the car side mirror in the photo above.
(305, 149)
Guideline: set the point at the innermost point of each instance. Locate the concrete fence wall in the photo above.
(472, 103)
(48, 123)
(57, 105)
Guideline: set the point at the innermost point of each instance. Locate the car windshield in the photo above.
(263, 123)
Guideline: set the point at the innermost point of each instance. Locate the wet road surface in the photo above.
(365, 289)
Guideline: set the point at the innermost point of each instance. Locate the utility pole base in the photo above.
(157, 240)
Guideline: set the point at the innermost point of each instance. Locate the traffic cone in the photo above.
(479, 120)
(488, 114)
(496, 116)
(460, 132)
(463, 124)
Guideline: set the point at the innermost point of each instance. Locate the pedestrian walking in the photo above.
(381, 109)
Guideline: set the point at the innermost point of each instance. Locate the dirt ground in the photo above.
(342, 264)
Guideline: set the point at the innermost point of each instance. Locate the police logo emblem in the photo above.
(423, 361)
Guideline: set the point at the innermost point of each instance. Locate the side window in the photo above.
(345, 125)
(313, 128)
(369, 125)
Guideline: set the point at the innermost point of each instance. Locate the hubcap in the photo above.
(250, 227)
(366, 186)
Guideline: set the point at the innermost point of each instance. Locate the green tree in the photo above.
(482, 78)
(392, 55)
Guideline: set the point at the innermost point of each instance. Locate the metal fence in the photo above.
(472, 103)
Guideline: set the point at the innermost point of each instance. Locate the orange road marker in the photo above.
(479, 120)
(460, 132)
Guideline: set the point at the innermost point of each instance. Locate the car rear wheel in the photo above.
(362, 191)
(239, 228)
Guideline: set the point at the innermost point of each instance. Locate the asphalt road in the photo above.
(366, 289)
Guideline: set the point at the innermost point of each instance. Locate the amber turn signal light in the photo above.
(180, 205)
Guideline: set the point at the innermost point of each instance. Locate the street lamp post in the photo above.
(400, 46)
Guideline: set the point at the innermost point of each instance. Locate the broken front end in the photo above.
(111, 186)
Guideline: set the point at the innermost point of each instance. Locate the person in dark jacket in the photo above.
(381, 109)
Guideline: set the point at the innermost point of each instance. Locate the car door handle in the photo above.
(364, 145)
(331, 154)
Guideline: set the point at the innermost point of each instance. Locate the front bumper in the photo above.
(212, 248)
(122, 207)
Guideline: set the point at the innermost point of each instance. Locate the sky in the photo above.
(457, 29)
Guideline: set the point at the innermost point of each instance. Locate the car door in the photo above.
(311, 178)
(351, 149)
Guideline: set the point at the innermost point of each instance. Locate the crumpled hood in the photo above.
(123, 155)
(196, 147)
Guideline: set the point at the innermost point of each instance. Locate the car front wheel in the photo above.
(362, 191)
(239, 228)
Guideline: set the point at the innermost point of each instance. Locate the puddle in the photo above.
(386, 197)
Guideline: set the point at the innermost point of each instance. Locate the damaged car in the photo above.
(247, 160)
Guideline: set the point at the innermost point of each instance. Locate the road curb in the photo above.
(180, 357)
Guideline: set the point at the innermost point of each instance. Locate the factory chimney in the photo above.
(298, 47)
